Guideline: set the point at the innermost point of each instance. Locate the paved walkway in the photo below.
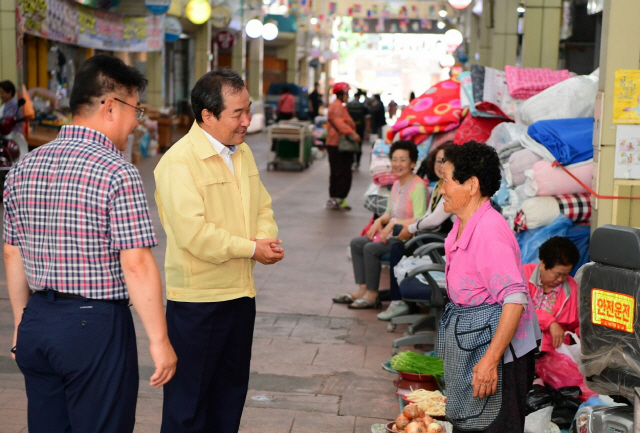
(316, 366)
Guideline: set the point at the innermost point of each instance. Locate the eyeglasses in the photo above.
(440, 161)
(401, 160)
(138, 109)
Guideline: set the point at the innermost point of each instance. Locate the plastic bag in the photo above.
(573, 350)
(27, 109)
(530, 244)
(558, 370)
(538, 421)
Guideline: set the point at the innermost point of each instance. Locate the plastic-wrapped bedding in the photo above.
(519, 162)
(536, 212)
(506, 151)
(542, 211)
(570, 98)
(504, 134)
(569, 140)
(543, 179)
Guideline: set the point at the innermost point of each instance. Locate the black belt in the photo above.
(60, 295)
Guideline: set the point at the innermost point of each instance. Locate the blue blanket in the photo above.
(569, 140)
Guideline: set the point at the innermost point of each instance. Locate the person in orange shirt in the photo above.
(286, 105)
(339, 123)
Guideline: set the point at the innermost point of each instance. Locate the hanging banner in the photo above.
(70, 23)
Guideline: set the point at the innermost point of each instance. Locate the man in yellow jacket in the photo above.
(218, 219)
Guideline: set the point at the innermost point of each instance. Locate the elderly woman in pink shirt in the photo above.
(489, 332)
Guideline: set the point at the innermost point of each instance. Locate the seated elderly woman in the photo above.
(553, 291)
(435, 219)
(407, 203)
(489, 331)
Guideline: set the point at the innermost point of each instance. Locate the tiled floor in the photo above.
(316, 366)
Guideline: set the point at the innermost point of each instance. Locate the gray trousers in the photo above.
(365, 256)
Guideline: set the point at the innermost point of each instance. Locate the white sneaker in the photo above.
(395, 308)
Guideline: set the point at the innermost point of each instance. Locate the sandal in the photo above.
(363, 304)
(347, 298)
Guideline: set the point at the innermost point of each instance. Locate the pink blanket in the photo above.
(436, 110)
(524, 83)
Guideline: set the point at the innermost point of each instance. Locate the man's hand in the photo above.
(165, 360)
(267, 251)
(405, 234)
(557, 334)
(354, 137)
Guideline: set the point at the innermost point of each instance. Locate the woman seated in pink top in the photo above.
(407, 203)
(488, 333)
(553, 291)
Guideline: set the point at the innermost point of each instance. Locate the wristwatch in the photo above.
(13, 349)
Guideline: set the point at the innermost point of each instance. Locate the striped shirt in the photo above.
(71, 206)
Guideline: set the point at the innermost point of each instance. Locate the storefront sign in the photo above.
(60, 21)
(225, 39)
(613, 310)
(220, 17)
(157, 7)
(172, 29)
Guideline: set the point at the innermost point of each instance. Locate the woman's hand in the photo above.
(384, 234)
(485, 377)
(375, 227)
(557, 334)
(405, 234)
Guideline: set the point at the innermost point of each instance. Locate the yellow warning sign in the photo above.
(613, 310)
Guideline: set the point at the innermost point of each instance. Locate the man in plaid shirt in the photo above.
(77, 233)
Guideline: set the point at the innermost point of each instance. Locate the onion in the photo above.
(420, 421)
(434, 427)
(427, 419)
(414, 427)
(411, 411)
(401, 422)
(421, 412)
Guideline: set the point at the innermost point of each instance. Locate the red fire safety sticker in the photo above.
(613, 310)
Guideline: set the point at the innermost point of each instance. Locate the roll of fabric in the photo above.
(544, 180)
(519, 162)
(569, 140)
(536, 212)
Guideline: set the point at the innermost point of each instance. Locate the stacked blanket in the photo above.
(436, 110)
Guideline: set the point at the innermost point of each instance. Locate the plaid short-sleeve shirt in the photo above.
(71, 206)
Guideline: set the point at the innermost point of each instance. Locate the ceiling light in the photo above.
(254, 28)
(441, 25)
(443, 13)
(313, 21)
(520, 9)
(269, 31)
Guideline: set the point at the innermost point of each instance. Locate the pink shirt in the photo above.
(286, 103)
(484, 266)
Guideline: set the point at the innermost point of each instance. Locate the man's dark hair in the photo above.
(8, 87)
(208, 93)
(101, 75)
(558, 250)
(286, 89)
(407, 145)
(476, 159)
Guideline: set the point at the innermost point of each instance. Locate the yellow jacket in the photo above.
(209, 217)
